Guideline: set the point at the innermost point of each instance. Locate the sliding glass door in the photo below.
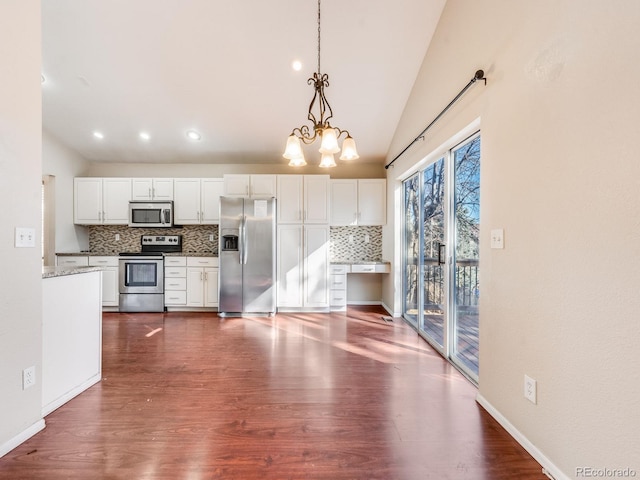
(411, 249)
(434, 253)
(441, 253)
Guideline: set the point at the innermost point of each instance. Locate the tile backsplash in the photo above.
(346, 243)
(195, 238)
(350, 243)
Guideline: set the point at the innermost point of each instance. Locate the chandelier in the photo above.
(322, 129)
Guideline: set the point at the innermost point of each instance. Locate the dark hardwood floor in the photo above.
(297, 396)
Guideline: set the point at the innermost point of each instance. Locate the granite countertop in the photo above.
(359, 262)
(192, 254)
(50, 272)
(87, 253)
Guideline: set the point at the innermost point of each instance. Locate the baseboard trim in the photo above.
(21, 437)
(58, 402)
(548, 467)
(390, 310)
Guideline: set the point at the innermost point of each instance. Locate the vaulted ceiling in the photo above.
(223, 68)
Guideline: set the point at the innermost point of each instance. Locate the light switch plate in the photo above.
(497, 238)
(25, 237)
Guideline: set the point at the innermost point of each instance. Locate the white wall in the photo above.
(560, 173)
(20, 179)
(64, 164)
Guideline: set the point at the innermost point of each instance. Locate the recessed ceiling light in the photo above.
(145, 136)
(193, 135)
(296, 65)
(98, 135)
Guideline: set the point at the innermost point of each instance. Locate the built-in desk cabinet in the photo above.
(339, 280)
(338, 285)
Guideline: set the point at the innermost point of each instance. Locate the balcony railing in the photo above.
(467, 281)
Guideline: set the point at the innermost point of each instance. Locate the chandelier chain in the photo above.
(318, 37)
(321, 126)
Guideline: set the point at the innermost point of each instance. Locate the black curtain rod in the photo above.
(479, 75)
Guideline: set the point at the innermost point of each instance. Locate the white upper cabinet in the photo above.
(344, 202)
(210, 191)
(238, 185)
(358, 202)
(317, 199)
(372, 201)
(186, 197)
(158, 189)
(196, 200)
(290, 202)
(303, 199)
(101, 201)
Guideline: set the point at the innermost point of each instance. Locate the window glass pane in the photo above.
(467, 253)
(434, 254)
(411, 247)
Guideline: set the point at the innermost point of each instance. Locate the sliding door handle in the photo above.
(441, 254)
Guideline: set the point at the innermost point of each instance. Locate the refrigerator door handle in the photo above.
(245, 240)
(241, 240)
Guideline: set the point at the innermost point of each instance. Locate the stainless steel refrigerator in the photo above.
(247, 241)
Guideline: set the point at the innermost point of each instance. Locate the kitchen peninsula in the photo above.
(71, 333)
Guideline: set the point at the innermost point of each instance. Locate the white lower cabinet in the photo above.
(109, 264)
(303, 267)
(110, 288)
(338, 284)
(202, 281)
(175, 281)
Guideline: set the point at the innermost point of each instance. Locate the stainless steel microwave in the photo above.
(151, 214)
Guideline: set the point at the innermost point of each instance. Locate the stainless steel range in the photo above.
(142, 273)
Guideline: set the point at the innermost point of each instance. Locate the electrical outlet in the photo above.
(28, 377)
(350, 238)
(530, 389)
(211, 238)
(117, 237)
(366, 238)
